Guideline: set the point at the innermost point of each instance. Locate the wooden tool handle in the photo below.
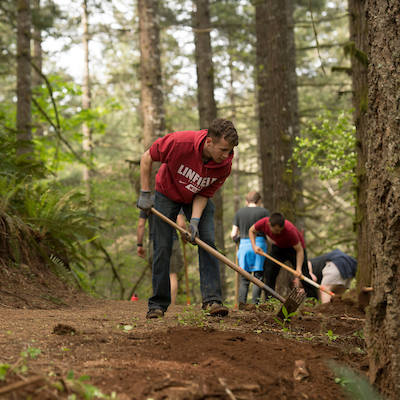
(304, 278)
(186, 274)
(237, 280)
(367, 289)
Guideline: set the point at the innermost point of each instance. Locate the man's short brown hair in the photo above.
(277, 218)
(223, 128)
(253, 197)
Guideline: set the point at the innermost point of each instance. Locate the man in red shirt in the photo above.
(287, 245)
(194, 166)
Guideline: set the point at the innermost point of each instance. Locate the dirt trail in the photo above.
(186, 355)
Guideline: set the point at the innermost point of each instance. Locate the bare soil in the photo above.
(58, 343)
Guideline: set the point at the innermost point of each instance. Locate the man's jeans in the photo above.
(244, 288)
(210, 282)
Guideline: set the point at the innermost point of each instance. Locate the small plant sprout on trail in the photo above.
(286, 319)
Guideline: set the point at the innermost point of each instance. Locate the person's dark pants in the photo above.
(271, 269)
(244, 288)
(210, 281)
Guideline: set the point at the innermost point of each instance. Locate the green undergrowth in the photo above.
(192, 316)
(39, 221)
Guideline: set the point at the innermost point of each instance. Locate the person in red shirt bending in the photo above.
(287, 245)
(194, 166)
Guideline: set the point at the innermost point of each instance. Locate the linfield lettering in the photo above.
(194, 177)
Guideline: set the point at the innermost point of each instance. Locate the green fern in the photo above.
(36, 213)
(47, 221)
(62, 272)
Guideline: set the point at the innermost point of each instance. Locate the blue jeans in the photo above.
(210, 281)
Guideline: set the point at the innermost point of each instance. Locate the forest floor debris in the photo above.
(58, 343)
(85, 347)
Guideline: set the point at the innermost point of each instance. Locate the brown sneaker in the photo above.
(215, 308)
(242, 305)
(154, 313)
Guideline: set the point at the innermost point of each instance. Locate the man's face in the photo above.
(216, 149)
(276, 230)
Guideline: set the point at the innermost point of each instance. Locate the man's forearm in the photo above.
(140, 230)
(299, 260)
(145, 170)
(199, 204)
(140, 235)
(234, 231)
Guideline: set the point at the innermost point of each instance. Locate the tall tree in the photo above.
(383, 199)
(294, 110)
(24, 79)
(279, 118)
(266, 144)
(357, 49)
(86, 100)
(235, 169)
(207, 105)
(153, 113)
(37, 79)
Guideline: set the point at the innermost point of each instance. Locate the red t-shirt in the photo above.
(183, 174)
(289, 236)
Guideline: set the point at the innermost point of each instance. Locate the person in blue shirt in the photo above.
(248, 260)
(334, 271)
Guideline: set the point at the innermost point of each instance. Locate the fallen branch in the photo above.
(353, 319)
(19, 385)
(227, 390)
(15, 365)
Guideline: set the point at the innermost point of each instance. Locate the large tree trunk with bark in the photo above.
(265, 139)
(235, 166)
(357, 49)
(153, 113)
(279, 118)
(383, 173)
(86, 102)
(37, 79)
(298, 199)
(24, 79)
(208, 108)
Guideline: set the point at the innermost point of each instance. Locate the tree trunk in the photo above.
(383, 201)
(235, 166)
(153, 113)
(208, 108)
(279, 118)
(86, 100)
(357, 49)
(24, 112)
(297, 192)
(265, 139)
(37, 79)
(297, 198)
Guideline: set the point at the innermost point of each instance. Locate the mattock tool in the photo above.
(291, 304)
